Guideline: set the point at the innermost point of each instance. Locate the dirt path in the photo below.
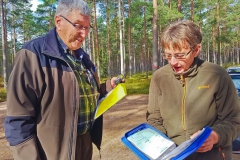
(122, 117)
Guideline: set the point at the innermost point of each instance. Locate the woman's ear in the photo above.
(197, 50)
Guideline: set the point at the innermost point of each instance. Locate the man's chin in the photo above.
(76, 45)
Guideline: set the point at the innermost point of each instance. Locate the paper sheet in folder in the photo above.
(148, 143)
(110, 99)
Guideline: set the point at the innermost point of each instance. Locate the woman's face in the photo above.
(182, 64)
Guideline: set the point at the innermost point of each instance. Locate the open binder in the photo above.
(110, 99)
(148, 143)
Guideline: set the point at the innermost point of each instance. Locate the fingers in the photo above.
(113, 84)
(115, 81)
(207, 145)
(209, 142)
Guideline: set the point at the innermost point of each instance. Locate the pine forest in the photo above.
(125, 34)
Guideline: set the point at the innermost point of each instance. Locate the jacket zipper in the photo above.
(74, 110)
(183, 103)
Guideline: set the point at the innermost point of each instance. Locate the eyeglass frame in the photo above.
(173, 55)
(78, 27)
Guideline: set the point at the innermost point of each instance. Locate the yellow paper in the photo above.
(111, 98)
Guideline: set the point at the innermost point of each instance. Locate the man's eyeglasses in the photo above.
(178, 56)
(78, 27)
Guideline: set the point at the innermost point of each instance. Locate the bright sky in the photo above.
(35, 3)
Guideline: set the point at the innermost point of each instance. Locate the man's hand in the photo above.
(113, 81)
(208, 144)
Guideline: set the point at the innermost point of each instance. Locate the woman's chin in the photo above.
(178, 70)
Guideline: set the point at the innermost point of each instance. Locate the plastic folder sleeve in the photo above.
(189, 146)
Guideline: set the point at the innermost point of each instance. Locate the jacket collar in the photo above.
(52, 47)
(192, 71)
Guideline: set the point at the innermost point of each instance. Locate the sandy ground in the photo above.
(122, 117)
(119, 119)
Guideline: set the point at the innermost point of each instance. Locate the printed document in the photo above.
(151, 143)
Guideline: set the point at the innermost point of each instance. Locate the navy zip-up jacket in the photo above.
(43, 103)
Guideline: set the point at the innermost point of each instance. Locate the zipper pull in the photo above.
(182, 80)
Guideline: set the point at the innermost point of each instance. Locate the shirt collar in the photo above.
(65, 48)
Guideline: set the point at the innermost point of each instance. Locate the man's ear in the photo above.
(57, 20)
(197, 50)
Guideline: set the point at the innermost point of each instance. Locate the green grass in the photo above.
(137, 84)
(229, 65)
(3, 92)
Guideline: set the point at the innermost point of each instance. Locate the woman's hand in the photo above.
(208, 144)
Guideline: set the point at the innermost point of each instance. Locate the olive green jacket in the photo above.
(180, 105)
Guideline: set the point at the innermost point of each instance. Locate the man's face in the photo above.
(183, 64)
(73, 36)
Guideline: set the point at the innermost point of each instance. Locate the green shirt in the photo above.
(88, 90)
(88, 94)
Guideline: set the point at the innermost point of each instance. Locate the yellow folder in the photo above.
(110, 99)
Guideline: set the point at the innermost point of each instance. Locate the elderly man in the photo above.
(53, 92)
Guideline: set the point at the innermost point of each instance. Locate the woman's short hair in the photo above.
(181, 34)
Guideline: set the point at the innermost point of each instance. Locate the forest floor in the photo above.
(123, 116)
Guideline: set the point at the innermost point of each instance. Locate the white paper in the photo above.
(150, 142)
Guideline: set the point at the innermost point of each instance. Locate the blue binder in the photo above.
(185, 149)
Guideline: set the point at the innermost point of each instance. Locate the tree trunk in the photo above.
(145, 43)
(218, 35)
(123, 35)
(208, 51)
(14, 36)
(93, 49)
(170, 4)
(88, 46)
(155, 38)
(192, 10)
(141, 54)
(96, 38)
(179, 8)
(4, 41)
(117, 64)
(170, 7)
(237, 47)
(130, 42)
(237, 50)
(214, 48)
(120, 35)
(108, 41)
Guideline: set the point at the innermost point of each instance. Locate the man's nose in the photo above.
(84, 33)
